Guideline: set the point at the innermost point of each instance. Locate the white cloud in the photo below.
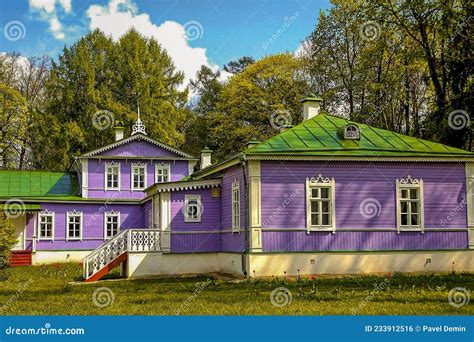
(119, 16)
(48, 11)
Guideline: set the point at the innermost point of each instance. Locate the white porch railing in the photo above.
(129, 240)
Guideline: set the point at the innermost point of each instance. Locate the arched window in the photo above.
(351, 132)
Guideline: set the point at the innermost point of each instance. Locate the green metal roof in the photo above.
(28, 207)
(319, 137)
(38, 184)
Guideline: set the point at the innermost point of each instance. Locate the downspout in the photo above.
(246, 218)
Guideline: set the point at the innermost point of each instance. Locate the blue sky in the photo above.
(194, 32)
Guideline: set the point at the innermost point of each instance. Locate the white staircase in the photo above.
(114, 251)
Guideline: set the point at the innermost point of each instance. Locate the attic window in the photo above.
(351, 132)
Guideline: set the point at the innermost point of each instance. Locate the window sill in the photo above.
(410, 229)
(321, 229)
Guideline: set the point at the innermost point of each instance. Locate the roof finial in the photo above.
(139, 127)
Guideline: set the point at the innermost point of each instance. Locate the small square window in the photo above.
(192, 208)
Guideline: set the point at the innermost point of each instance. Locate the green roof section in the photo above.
(27, 207)
(38, 184)
(319, 136)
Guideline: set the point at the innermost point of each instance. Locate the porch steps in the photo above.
(114, 251)
(107, 268)
(21, 258)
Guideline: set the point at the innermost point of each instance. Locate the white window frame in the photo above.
(111, 214)
(70, 214)
(321, 182)
(356, 132)
(196, 198)
(134, 167)
(410, 183)
(235, 202)
(107, 165)
(46, 213)
(161, 167)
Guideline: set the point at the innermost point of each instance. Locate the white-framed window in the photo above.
(112, 176)
(162, 173)
(410, 204)
(192, 208)
(351, 132)
(320, 204)
(46, 225)
(138, 176)
(236, 206)
(74, 225)
(111, 224)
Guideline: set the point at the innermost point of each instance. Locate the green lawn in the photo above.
(45, 290)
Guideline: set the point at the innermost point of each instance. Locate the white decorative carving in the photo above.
(320, 179)
(112, 163)
(74, 212)
(129, 240)
(139, 164)
(112, 212)
(410, 180)
(138, 127)
(46, 212)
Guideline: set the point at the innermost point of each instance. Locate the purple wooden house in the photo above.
(326, 196)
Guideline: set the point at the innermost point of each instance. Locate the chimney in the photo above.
(311, 107)
(206, 158)
(119, 130)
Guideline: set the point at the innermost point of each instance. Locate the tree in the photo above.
(98, 78)
(442, 30)
(239, 65)
(7, 239)
(13, 125)
(207, 87)
(257, 102)
(28, 77)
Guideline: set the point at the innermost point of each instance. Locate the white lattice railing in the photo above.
(130, 240)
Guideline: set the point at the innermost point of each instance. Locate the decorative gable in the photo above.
(138, 145)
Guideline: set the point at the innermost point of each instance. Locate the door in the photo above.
(20, 228)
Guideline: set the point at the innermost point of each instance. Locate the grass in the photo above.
(45, 290)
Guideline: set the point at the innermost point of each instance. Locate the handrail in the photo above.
(126, 241)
